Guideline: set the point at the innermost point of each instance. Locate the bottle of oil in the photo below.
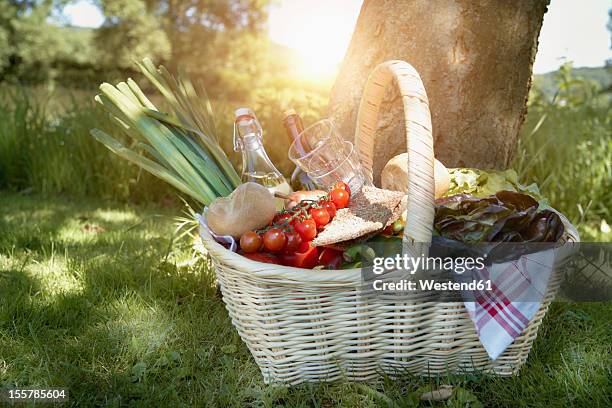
(294, 126)
(256, 165)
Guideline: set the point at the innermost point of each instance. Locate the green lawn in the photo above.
(97, 297)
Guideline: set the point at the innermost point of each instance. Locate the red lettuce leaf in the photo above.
(506, 216)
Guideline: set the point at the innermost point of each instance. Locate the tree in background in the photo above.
(222, 43)
(132, 30)
(475, 59)
(28, 44)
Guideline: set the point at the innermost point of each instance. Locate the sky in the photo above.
(320, 31)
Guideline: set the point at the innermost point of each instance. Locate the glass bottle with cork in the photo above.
(294, 126)
(256, 165)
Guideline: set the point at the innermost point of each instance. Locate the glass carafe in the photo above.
(256, 165)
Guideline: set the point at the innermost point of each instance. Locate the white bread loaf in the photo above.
(250, 206)
(395, 175)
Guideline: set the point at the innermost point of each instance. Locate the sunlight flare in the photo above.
(319, 33)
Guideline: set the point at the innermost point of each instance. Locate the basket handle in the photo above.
(420, 200)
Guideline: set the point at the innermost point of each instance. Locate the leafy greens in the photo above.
(480, 183)
(506, 216)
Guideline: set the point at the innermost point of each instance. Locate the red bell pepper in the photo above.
(331, 258)
(306, 257)
(264, 257)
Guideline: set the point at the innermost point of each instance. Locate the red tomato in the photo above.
(304, 246)
(343, 185)
(330, 207)
(320, 216)
(281, 218)
(340, 197)
(274, 240)
(263, 257)
(293, 242)
(307, 229)
(331, 258)
(250, 242)
(306, 260)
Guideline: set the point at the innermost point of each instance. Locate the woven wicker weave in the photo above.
(312, 325)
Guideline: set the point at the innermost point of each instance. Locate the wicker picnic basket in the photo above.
(315, 325)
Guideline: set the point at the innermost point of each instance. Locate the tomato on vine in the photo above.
(274, 240)
(343, 185)
(340, 197)
(307, 229)
(320, 216)
(330, 207)
(283, 217)
(293, 241)
(250, 242)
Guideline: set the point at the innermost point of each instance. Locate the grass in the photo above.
(566, 148)
(45, 145)
(96, 296)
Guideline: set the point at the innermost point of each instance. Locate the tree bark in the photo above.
(475, 59)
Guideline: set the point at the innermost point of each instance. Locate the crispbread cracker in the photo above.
(369, 211)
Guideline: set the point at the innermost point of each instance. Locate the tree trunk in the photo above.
(475, 59)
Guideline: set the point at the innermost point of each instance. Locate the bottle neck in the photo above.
(251, 141)
(255, 159)
(247, 133)
(294, 126)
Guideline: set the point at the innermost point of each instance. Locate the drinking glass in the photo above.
(348, 170)
(326, 157)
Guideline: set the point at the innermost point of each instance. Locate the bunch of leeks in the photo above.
(182, 147)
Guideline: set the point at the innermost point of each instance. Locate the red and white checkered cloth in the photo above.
(518, 288)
